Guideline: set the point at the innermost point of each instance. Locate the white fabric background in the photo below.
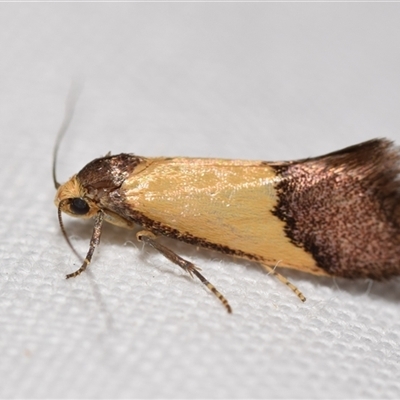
(255, 81)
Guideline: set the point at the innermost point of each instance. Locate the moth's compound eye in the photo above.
(79, 206)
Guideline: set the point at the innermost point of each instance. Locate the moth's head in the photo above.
(72, 200)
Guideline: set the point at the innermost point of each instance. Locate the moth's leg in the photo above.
(284, 280)
(150, 238)
(94, 241)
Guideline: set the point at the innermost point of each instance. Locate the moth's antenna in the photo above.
(72, 98)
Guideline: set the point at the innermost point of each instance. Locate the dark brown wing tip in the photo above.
(374, 151)
(377, 164)
(344, 208)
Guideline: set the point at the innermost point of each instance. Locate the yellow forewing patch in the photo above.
(223, 202)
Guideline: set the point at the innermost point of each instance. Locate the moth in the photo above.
(333, 215)
(336, 215)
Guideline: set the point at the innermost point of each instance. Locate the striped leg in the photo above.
(94, 241)
(149, 238)
(272, 271)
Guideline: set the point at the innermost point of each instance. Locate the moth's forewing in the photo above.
(219, 204)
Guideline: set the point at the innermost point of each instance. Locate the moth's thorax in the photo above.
(106, 174)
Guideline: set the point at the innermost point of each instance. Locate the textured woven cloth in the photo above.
(255, 81)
